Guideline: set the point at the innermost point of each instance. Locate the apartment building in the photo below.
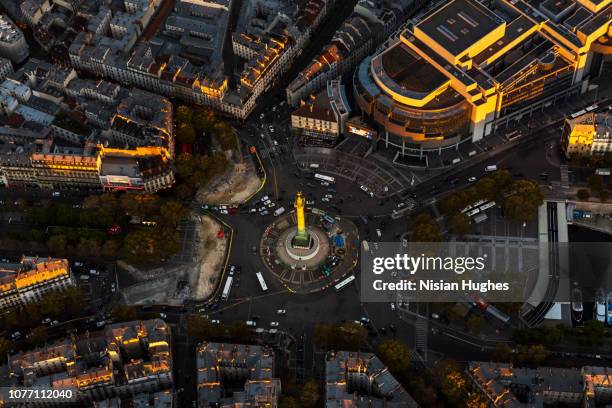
(31, 279)
(587, 134)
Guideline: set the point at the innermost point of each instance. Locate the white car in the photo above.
(267, 202)
(223, 212)
(265, 213)
(329, 196)
(253, 210)
(378, 233)
(163, 315)
(272, 331)
(16, 335)
(325, 199)
(325, 183)
(400, 205)
(472, 179)
(251, 323)
(273, 324)
(281, 312)
(264, 198)
(392, 306)
(271, 205)
(215, 321)
(46, 321)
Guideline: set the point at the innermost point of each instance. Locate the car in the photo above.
(251, 323)
(46, 321)
(265, 213)
(271, 205)
(113, 287)
(325, 199)
(215, 321)
(56, 194)
(435, 316)
(392, 306)
(274, 324)
(265, 198)
(365, 320)
(163, 315)
(329, 196)
(273, 331)
(378, 232)
(267, 202)
(332, 190)
(224, 212)
(16, 335)
(253, 210)
(325, 184)
(281, 312)
(53, 323)
(472, 179)
(310, 202)
(400, 205)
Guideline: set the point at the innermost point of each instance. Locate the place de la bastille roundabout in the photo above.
(309, 250)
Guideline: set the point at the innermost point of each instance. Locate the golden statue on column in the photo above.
(302, 237)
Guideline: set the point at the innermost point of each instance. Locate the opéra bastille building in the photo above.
(465, 68)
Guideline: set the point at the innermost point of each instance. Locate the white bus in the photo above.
(262, 283)
(344, 283)
(487, 205)
(473, 211)
(227, 288)
(322, 177)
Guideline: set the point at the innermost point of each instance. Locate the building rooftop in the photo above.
(361, 380)
(9, 32)
(459, 25)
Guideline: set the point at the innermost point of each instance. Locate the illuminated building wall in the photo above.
(33, 278)
(461, 70)
(123, 360)
(588, 134)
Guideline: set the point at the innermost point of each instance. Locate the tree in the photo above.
(460, 224)
(524, 199)
(593, 331)
(110, 249)
(123, 313)
(149, 246)
(57, 244)
(171, 212)
(604, 195)
(73, 301)
(583, 194)
(288, 402)
(309, 395)
(595, 183)
(395, 355)
(532, 356)
(198, 328)
(183, 114)
(240, 332)
(38, 336)
(5, 347)
(424, 229)
(185, 133)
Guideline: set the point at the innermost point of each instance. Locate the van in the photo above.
(490, 168)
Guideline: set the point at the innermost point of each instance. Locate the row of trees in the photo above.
(519, 199)
(107, 226)
(197, 171)
(191, 122)
(65, 305)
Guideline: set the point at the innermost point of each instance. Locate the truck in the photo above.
(227, 288)
(491, 168)
(279, 211)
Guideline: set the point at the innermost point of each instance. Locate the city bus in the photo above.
(322, 177)
(344, 283)
(227, 288)
(262, 283)
(487, 205)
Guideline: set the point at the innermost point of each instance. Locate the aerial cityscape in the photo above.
(305, 203)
